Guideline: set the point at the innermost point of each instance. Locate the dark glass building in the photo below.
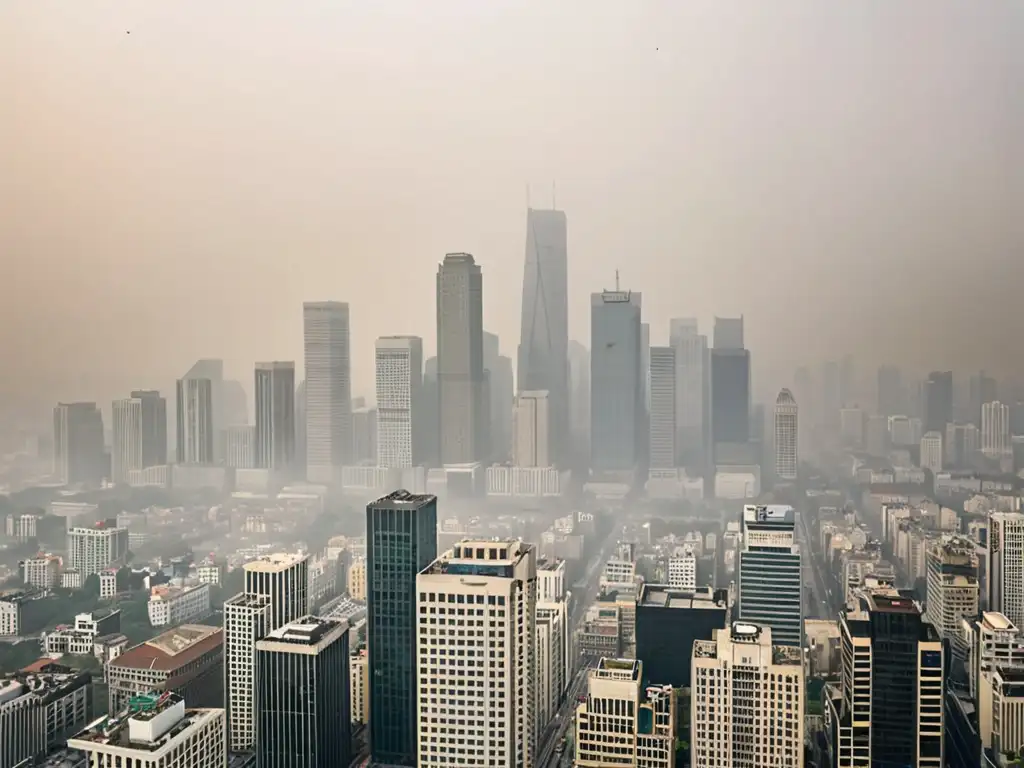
(730, 396)
(667, 623)
(401, 540)
(302, 696)
(770, 578)
(938, 401)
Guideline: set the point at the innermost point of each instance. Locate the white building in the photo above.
(91, 550)
(682, 571)
(953, 590)
(995, 430)
(495, 721)
(622, 724)
(126, 446)
(992, 640)
(209, 573)
(618, 573)
(21, 527)
(531, 422)
(747, 706)
(10, 618)
(108, 584)
(159, 734)
(553, 659)
(42, 571)
(1006, 565)
(551, 580)
(663, 430)
(328, 389)
(359, 687)
(399, 374)
(786, 436)
(171, 606)
(931, 452)
(525, 481)
(71, 579)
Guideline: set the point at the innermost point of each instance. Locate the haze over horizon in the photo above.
(177, 178)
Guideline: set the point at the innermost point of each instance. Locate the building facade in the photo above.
(78, 445)
(786, 436)
(770, 584)
(531, 429)
(274, 435)
(662, 450)
(399, 381)
(326, 342)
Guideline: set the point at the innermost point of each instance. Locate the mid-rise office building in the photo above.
(682, 571)
(495, 583)
(531, 436)
(39, 711)
(692, 372)
(274, 434)
(931, 452)
(621, 722)
(952, 589)
(328, 389)
(302, 684)
(401, 540)
(399, 380)
(992, 640)
(770, 587)
(787, 433)
(91, 550)
(747, 705)
(78, 446)
(139, 434)
(662, 450)
(1006, 565)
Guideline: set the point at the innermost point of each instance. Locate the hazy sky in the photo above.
(846, 174)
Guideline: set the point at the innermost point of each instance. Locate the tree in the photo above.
(91, 586)
(124, 579)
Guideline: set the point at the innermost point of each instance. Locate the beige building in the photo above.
(356, 579)
(952, 589)
(359, 687)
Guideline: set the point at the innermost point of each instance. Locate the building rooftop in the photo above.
(149, 723)
(401, 499)
(997, 621)
(882, 602)
(172, 649)
(769, 514)
(628, 669)
(308, 631)
(279, 561)
(663, 596)
(52, 678)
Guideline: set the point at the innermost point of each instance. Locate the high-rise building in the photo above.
(728, 333)
(891, 401)
(621, 723)
(494, 722)
(616, 387)
(240, 446)
(962, 443)
(995, 430)
(770, 585)
(787, 434)
(399, 379)
(1006, 565)
(983, 390)
(663, 453)
(199, 412)
(544, 336)
(730, 385)
(300, 430)
(364, 435)
(831, 395)
(431, 414)
(531, 425)
(235, 404)
(851, 427)
(691, 358)
(888, 709)
(938, 401)
(139, 434)
(554, 658)
(747, 700)
(500, 387)
(275, 416)
(952, 589)
(327, 343)
(682, 571)
(40, 711)
(464, 409)
(992, 640)
(78, 450)
(91, 550)
(579, 411)
(401, 541)
(668, 621)
(931, 452)
(302, 713)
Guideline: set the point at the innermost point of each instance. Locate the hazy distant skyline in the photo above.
(179, 191)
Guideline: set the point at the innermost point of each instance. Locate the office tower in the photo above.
(888, 709)
(235, 403)
(240, 447)
(663, 453)
(399, 379)
(748, 700)
(199, 412)
(364, 435)
(39, 711)
(876, 435)
(982, 390)
(78, 447)
(531, 425)
(786, 436)
(770, 586)
(730, 385)
(931, 452)
(831, 395)
(621, 723)
(157, 732)
(682, 571)
(284, 580)
(544, 334)
(554, 658)
(401, 540)
(91, 550)
(952, 589)
(616, 388)
(328, 388)
(1006, 565)
(139, 433)
(668, 621)
(302, 683)
(645, 367)
(961, 444)
(464, 419)
(995, 430)
(890, 391)
(579, 412)
(728, 333)
(691, 352)
(275, 416)
(431, 414)
(992, 640)
(501, 391)
(938, 401)
(495, 721)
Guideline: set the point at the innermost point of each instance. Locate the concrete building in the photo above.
(952, 589)
(92, 550)
(995, 430)
(157, 733)
(139, 434)
(500, 381)
(78, 445)
(274, 435)
(240, 446)
(931, 452)
(682, 571)
(662, 449)
(692, 379)
(554, 659)
(1006, 565)
(359, 687)
(730, 388)
(770, 584)
(42, 571)
(40, 710)
(170, 606)
(621, 723)
(328, 381)
(748, 700)
(787, 457)
(531, 422)
(356, 579)
(992, 640)
(399, 382)
(199, 415)
(551, 584)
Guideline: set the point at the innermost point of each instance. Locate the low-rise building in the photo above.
(170, 606)
(40, 710)
(209, 573)
(42, 571)
(79, 639)
(71, 579)
(21, 613)
(108, 584)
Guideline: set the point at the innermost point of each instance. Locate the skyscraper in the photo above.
(275, 416)
(399, 375)
(464, 420)
(139, 434)
(953, 590)
(78, 446)
(328, 389)
(616, 388)
(982, 390)
(198, 412)
(770, 590)
(730, 386)
(431, 414)
(531, 425)
(662, 453)
(995, 430)
(579, 396)
(544, 337)
(938, 401)
(786, 436)
(831, 395)
(500, 397)
(499, 580)
(401, 540)
(1005, 559)
(691, 355)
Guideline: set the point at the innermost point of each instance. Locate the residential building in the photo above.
(401, 540)
(621, 723)
(747, 700)
(662, 449)
(40, 710)
(770, 588)
(199, 412)
(992, 640)
(302, 679)
(554, 659)
(399, 375)
(78, 445)
(21, 527)
(682, 571)
(274, 434)
(327, 346)
(157, 733)
(359, 687)
(108, 583)
(178, 605)
(952, 589)
(42, 571)
(1006, 565)
(531, 441)
(92, 550)
(499, 578)
(787, 432)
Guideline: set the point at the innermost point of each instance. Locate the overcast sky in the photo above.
(178, 176)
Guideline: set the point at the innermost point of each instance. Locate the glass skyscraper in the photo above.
(770, 580)
(401, 540)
